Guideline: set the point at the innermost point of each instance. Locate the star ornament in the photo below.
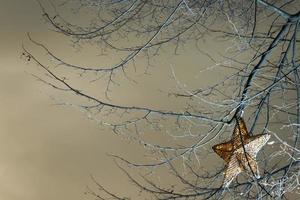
(240, 152)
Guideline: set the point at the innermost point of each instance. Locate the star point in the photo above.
(240, 152)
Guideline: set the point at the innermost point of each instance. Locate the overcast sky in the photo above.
(46, 152)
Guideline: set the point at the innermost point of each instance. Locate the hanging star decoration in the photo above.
(240, 152)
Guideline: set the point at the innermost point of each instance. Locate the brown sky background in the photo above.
(48, 152)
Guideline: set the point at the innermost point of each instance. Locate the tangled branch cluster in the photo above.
(264, 88)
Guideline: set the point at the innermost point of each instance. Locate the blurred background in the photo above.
(46, 152)
(50, 151)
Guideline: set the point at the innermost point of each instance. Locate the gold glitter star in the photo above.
(240, 152)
